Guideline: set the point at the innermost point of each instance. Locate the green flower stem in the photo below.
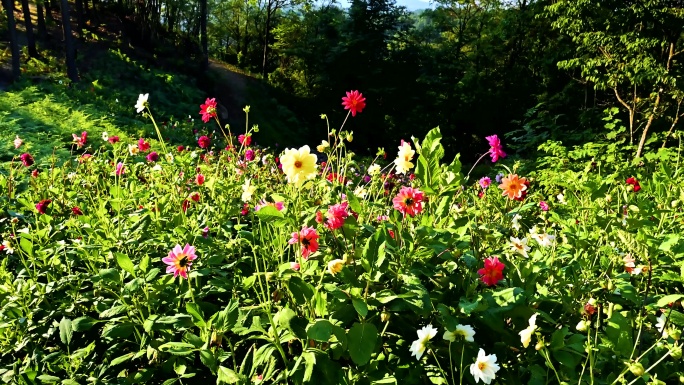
(192, 295)
(652, 366)
(460, 373)
(159, 135)
(545, 353)
(451, 365)
(438, 365)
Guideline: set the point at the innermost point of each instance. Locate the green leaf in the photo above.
(228, 376)
(194, 310)
(269, 214)
(360, 306)
(178, 348)
(83, 323)
(208, 359)
(320, 331)
(668, 299)
(361, 341)
(301, 291)
(26, 245)
(125, 263)
(65, 331)
(353, 202)
(121, 359)
(48, 379)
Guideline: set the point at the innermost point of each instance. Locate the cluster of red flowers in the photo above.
(333, 176)
(635, 183)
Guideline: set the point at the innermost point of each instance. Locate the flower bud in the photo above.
(676, 334)
(385, 316)
(216, 339)
(539, 345)
(636, 368)
(582, 326)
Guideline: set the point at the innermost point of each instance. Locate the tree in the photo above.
(30, 39)
(8, 5)
(42, 30)
(627, 48)
(70, 49)
(203, 38)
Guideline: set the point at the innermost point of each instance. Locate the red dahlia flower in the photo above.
(354, 102)
(208, 109)
(43, 205)
(307, 238)
(143, 145)
(26, 159)
(80, 141)
(245, 140)
(409, 201)
(492, 272)
(203, 141)
(336, 215)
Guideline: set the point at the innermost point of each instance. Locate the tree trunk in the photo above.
(79, 18)
(42, 30)
(640, 149)
(30, 39)
(203, 39)
(48, 10)
(267, 29)
(72, 72)
(14, 44)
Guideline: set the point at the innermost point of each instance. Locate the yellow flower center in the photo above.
(481, 365)
(182, 261)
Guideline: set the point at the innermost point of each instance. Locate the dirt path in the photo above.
(231, 90)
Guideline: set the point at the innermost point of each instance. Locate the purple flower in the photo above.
(544, 206)
(249, 155)
(367, 179)
(498, 178)
(495, 148)
(152, 156)
(119, 169)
